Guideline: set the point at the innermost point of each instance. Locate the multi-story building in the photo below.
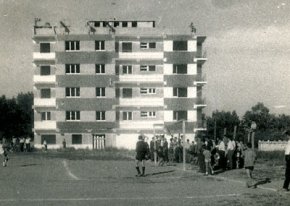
(105, 85)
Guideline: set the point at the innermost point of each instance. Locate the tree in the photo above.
(222, 120)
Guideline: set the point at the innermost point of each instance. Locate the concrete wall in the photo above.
(272, 145)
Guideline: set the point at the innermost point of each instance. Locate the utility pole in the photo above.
(214, 134)
(184, 157)
(235, 132)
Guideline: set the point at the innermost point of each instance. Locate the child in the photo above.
(250, 158)
(5, 155)
(207, 159)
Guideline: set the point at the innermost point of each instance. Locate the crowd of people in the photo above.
(17, 144)
(209, 155)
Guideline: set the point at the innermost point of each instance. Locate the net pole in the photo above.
(184, 157)
(155, 154)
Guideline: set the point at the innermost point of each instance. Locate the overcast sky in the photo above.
(248, 42)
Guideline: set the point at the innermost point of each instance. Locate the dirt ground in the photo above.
(32, 179)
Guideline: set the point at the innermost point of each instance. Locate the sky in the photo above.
(247, 43)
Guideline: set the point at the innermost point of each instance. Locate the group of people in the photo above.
(18, 144)
(210, 156)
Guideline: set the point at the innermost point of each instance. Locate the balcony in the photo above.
(141, 55)
(199, 80)
(39, 102)
(37, 56)
(199, 103)
(141, 78)
(200, 57)
(49, 79)
(45, 125)
(150, 102)
(139, 124)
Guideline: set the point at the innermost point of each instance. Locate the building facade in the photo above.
(115, 80)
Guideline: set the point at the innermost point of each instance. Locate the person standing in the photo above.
(27, 144)
(141, 152)
(64, 143)
(45, 144)
(21, 142)
(287, 159)
(250, 158)
(230, 152)
(3, 152)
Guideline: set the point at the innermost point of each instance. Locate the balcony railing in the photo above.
(200, 102)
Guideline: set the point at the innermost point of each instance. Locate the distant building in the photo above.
(114, 80)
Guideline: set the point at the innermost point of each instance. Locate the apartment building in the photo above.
(106, 83)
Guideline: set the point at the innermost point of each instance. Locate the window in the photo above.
(97, 24)
(127, 47)
(100, 91)
(72, 91)
(180, 69)
(100, 115)
(44, 47)
(148, 114)
(148, 45)
(72, 115)
(100, 69)
(72, 45)
(134, 23)
(127, 69)
(180, 92)
(116, 23)
(99, 45)
(127, 92)
(44, 70)
(124, 24)
(45, 93)
(72, 68)
(179, 115)
(148, 91)
(145, 68)
(179, 45)
(45, 116)
(49, 138)
(127, 116)
(76, 139)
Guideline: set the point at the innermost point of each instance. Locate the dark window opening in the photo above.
(180, 69)
(45, 93)
(180, 115)
(179, 45)
(152, 45)
(124, 24)
(49, 138)
(134, 23)
(76, 139)
(44, 47)
(44, 70)
(126, 47)
(127, 92)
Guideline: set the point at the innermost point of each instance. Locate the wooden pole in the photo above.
(235, 132)
(214, 130)
(253, 140)
(184, 157)
(155, 149)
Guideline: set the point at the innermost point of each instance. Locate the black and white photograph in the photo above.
(144, 102)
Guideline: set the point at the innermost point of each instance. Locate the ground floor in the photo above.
(98, 140)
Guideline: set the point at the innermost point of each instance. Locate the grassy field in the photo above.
(83, 177)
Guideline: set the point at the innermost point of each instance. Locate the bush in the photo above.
(274, 157)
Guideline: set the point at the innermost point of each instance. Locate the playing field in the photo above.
(31, 180)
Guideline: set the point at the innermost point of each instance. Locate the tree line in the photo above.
(16, 116)
(269, 126)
